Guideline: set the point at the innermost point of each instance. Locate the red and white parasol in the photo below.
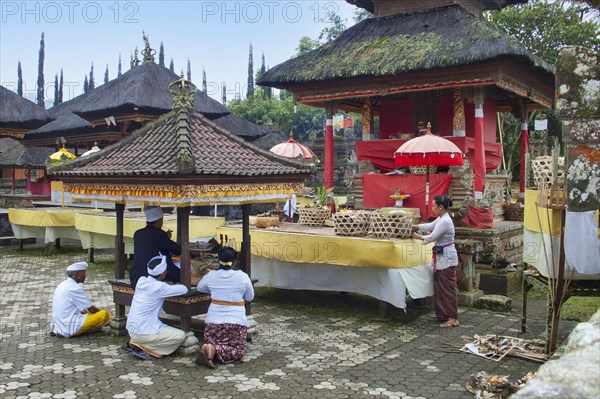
(293, 149)
(428, 150)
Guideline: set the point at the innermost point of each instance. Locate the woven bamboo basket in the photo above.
(390, 225)
(313, 216)
(352, 223)
(421, 170)
(542, 171)
(514, 213)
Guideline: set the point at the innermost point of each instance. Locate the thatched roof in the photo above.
(142, 90)
(242, 127)
(487, 4)
(394, 45)
(17, 112)
(66, 121)
(21, 156)
(155, 149)
(270, 140)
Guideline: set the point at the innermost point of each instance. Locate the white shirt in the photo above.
(228, 286)
(147, 301)
(69, 300)
(442, 232)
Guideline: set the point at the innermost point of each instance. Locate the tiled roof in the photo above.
(156, 148)
(20, 155)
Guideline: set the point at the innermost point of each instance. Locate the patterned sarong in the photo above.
(228, 339)
(446, 293)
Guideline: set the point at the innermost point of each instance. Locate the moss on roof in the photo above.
(393, 45)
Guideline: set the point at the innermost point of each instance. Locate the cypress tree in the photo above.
(106, 74)
(172, 66)
(86, 86)
(19, 80)
(161, 55)
(189, 71)
(269, 91)
(224, 94)
(40, 80)
(60, 88)
(56, 95)
(250, 91)
(119, 67)
(204, 88)
(91, 83)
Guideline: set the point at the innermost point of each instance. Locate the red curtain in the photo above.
(377, 189)
(479, 218)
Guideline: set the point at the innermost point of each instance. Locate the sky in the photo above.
(214, 35)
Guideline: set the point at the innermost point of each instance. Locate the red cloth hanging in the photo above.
(479, 218)
(329, 155)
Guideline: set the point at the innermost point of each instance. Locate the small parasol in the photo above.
(92, 150)
(293, 149)
(428, 150)
(62, 155)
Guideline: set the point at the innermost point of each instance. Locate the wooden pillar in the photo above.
(245, 252)
(560, 285)
(367, 120)
(329, 147)
(479, 162)
(185, 277)
(119, 319)
(458, 117)
(523, 148)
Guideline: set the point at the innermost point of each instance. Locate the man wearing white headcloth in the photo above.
(72, 311)
(148, 242)
(151, 338)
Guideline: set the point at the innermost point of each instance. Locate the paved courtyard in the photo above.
(310, 345)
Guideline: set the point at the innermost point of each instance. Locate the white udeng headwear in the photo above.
(153, 213)
(160, 268)
(75, 267)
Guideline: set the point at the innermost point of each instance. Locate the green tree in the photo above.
(204, 85)
(306, 45)
(61, 85)
(172, 66)
(106, 75)
(224, 94)
(250, 89)
(189, 70)
(40, 80)
(338, 26)
(161, 55)
(91, 81)
(19, 80)
(360, 14)
(56, 95)
(86, 85)
(119, 67)
(544, 27)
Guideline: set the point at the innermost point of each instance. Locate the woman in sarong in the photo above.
(225, 329)
(444, 261)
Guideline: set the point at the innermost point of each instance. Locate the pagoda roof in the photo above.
(394, 45)
(242, 127)
(142, 90)
(17, 112)
(182, 158)
(369, 5)
(21, 156)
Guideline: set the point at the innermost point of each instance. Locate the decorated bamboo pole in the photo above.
(479, 164)
(329, 150)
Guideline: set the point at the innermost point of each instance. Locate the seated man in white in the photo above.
(72, 311)
(150, 338)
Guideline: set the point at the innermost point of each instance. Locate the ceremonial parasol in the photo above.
(92, 150)
(62, 155)
(428, 150)
(293, 149)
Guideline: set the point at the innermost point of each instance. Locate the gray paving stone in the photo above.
(307, 348)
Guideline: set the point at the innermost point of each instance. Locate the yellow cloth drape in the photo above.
(530, 219)
(43, 217)
(200, 226)
(335, 250)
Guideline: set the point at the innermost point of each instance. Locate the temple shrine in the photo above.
(436, 61)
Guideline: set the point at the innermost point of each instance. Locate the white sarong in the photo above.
(165, 342)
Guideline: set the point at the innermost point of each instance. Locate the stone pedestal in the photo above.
(117, 326)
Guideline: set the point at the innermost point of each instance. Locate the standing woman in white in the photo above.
(444, 261)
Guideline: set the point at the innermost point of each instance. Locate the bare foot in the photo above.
(450, 323)
(203, 360)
